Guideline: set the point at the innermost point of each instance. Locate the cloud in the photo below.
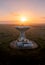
(14, 14)
(9, 16)
(42, 17)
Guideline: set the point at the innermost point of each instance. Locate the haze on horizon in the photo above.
(12, 10)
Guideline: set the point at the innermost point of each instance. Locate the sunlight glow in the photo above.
(23, 19)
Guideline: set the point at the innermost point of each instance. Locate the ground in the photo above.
(8, 33)
(37, 33)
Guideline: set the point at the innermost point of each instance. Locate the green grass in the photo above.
(9, 33)
(37, 34)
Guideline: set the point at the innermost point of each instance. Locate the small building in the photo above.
(24, 44)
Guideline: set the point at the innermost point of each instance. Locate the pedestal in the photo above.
(22, 30)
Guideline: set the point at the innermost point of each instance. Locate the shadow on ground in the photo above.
(32, 59)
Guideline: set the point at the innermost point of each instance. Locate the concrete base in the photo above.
(23, 44)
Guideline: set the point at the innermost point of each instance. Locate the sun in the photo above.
(23, 19)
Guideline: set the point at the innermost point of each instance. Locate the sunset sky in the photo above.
(11, 11)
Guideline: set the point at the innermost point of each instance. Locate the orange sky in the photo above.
(14, 18)
(11, 11)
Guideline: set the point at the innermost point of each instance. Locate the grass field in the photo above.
(37, 33)
(8, 33)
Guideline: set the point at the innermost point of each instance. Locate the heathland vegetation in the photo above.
(8, 33)
(37, 34)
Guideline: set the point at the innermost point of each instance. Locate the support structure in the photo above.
(22, 30)
(22, 42)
